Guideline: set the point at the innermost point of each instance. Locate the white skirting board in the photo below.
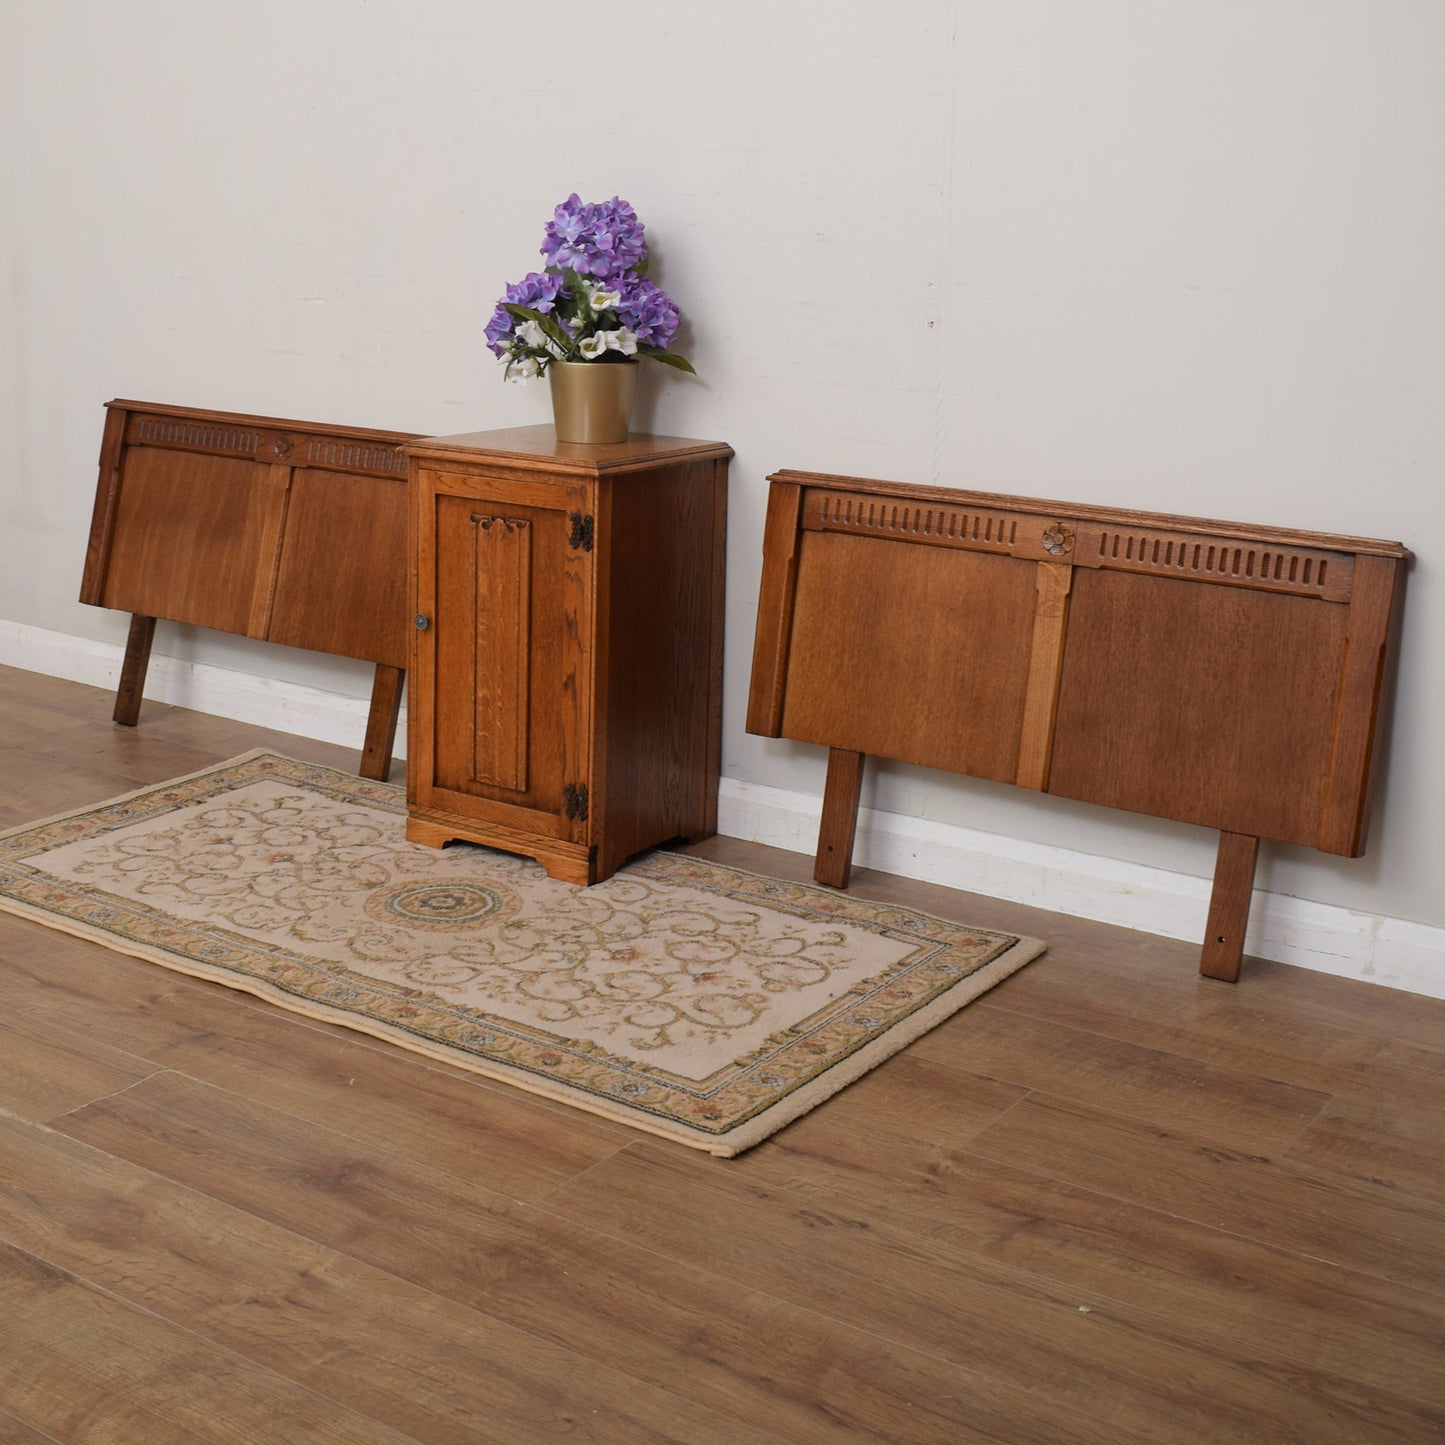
(1372, 947)
(246, 697)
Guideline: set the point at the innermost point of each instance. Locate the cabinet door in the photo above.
(504, 580)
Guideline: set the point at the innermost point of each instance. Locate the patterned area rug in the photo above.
(689, 999)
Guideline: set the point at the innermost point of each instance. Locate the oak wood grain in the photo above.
(1263, 1297)
(1229, 900)
(1063, 1343)
(1202, 671)
(774, 628)
(841, 792)
(1353, 1223)
(1371, 1138)
(138, 643)
(94, 1022)
(1054, 581)
(400, 1354)
(724, 1346)
(1173, 702)
(283, 530)
(1371, 629)
(860, 647)
(265, 1201)
(1303, 1041)
(77, 1364)
(567, 667)
(13, 1432)
(50, 1069)
(1128, 1080)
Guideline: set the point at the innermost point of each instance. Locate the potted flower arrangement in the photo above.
(586, 318)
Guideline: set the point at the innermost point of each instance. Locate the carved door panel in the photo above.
(505, 588)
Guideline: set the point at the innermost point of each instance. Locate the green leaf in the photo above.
(668, 358)
(578, 289)
(548, 325)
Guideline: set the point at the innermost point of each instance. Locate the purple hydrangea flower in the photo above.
(536, 289)
(614, 309)
(649, 311)
(599, 239)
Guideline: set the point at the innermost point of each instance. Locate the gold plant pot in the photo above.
(592, 400)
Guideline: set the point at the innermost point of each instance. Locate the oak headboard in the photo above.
(289, 531)
(1208, 672)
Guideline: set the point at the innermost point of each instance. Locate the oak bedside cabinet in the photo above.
(566, 665)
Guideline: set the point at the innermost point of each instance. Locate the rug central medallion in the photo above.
(442, 906)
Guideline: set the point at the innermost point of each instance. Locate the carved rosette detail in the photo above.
(281, 447)
(1058, 540)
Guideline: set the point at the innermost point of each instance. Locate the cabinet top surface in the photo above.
(539, 445)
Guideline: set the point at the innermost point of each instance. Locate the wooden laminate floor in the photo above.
(1110, 1201)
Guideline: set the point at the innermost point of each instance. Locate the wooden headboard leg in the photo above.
(1229, 907)
(133, 669)
(840, 817)
(387, 688)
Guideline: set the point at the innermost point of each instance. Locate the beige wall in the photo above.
(1180, 256)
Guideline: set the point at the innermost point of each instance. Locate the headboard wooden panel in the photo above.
(1204, 671)
(288, 531)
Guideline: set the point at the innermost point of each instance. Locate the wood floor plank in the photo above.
(1383, 1139)
(917, 1096)
(1355, 1224)
(49, 1070)
(377, 1091)
(1244, 1027)
(430, 1368)
(1320, 999)
(1129, 1147)
(1239, 1110)
(1129, 1367)
(1115, 958)
(1266, 1298)
(724, 1346)
(77, 1364)
(13, 1432)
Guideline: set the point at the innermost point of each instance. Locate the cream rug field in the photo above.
(689, 999)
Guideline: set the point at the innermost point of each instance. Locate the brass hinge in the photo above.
(581, 534)
(574, 800)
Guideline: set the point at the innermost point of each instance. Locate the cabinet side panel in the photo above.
(421, 698)
(192, 539)
(910, 652)
(1202, 703)
(664, 550)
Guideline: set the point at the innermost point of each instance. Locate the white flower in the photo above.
(621, 340)
(529, 333)
(593, 346)
(602, 298)
(523, 368)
